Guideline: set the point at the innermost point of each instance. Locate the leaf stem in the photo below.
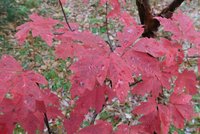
(47, 123)
(107, 32)
(66, 20)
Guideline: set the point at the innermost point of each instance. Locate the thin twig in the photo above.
(107, 32)
(65, 17)
(136, 82)
(47, 123)
(196, 56)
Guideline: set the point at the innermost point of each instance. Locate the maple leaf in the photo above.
(128, 36)
(127, 19)
(161, 48)
(51, 103)
(180, 109)
(126, 129)
(121, 75)
(150, 46)
(101, 127)
(96, 101)
(153, 112)
(186, 79)
(15, 79)
(173, 55)
(39, 26)
(96, 67)
(182, 28)
(68, 49)
(28, 102)
(15, 110)
(77, 44)
(142, 63)
(148, 85)
(19, 81)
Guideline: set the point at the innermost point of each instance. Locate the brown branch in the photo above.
(144, 10)
(168, 11)
(147, 19)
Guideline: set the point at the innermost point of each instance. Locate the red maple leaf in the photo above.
(27, 102)
(95, 101)
(153, 112)
(14, 79)
(142, 63)
(182, 28)
(126, 129)
(180, 109)
(148, 85)
(126, 38)
(121, 75)
(96, 67)
(175, 112)
(15, 111)
(39, 26)
(186, 79)
(78, 44)
(101, 127)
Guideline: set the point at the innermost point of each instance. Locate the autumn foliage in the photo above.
(137, 66)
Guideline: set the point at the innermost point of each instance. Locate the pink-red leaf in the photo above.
(101, 127)
(120, 74)
(186, 79)
(39, 26)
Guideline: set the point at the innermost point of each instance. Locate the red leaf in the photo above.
(21, 82)
(39, 26)
(95, 100)
(126, 38)
(128, 20)
(40, 106)
(27, 102)
(86, 39)
(52, 104)
(181, 31)
(96, 67)
(125, 129)
(186, 79)
(148, 85)
(15, 111)
(150, 46)
(101, 127)
(146, 107)
(164, 116)
(146, 65)
(68, 49)
(120, 75)
(157, 113)
(180, 109)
